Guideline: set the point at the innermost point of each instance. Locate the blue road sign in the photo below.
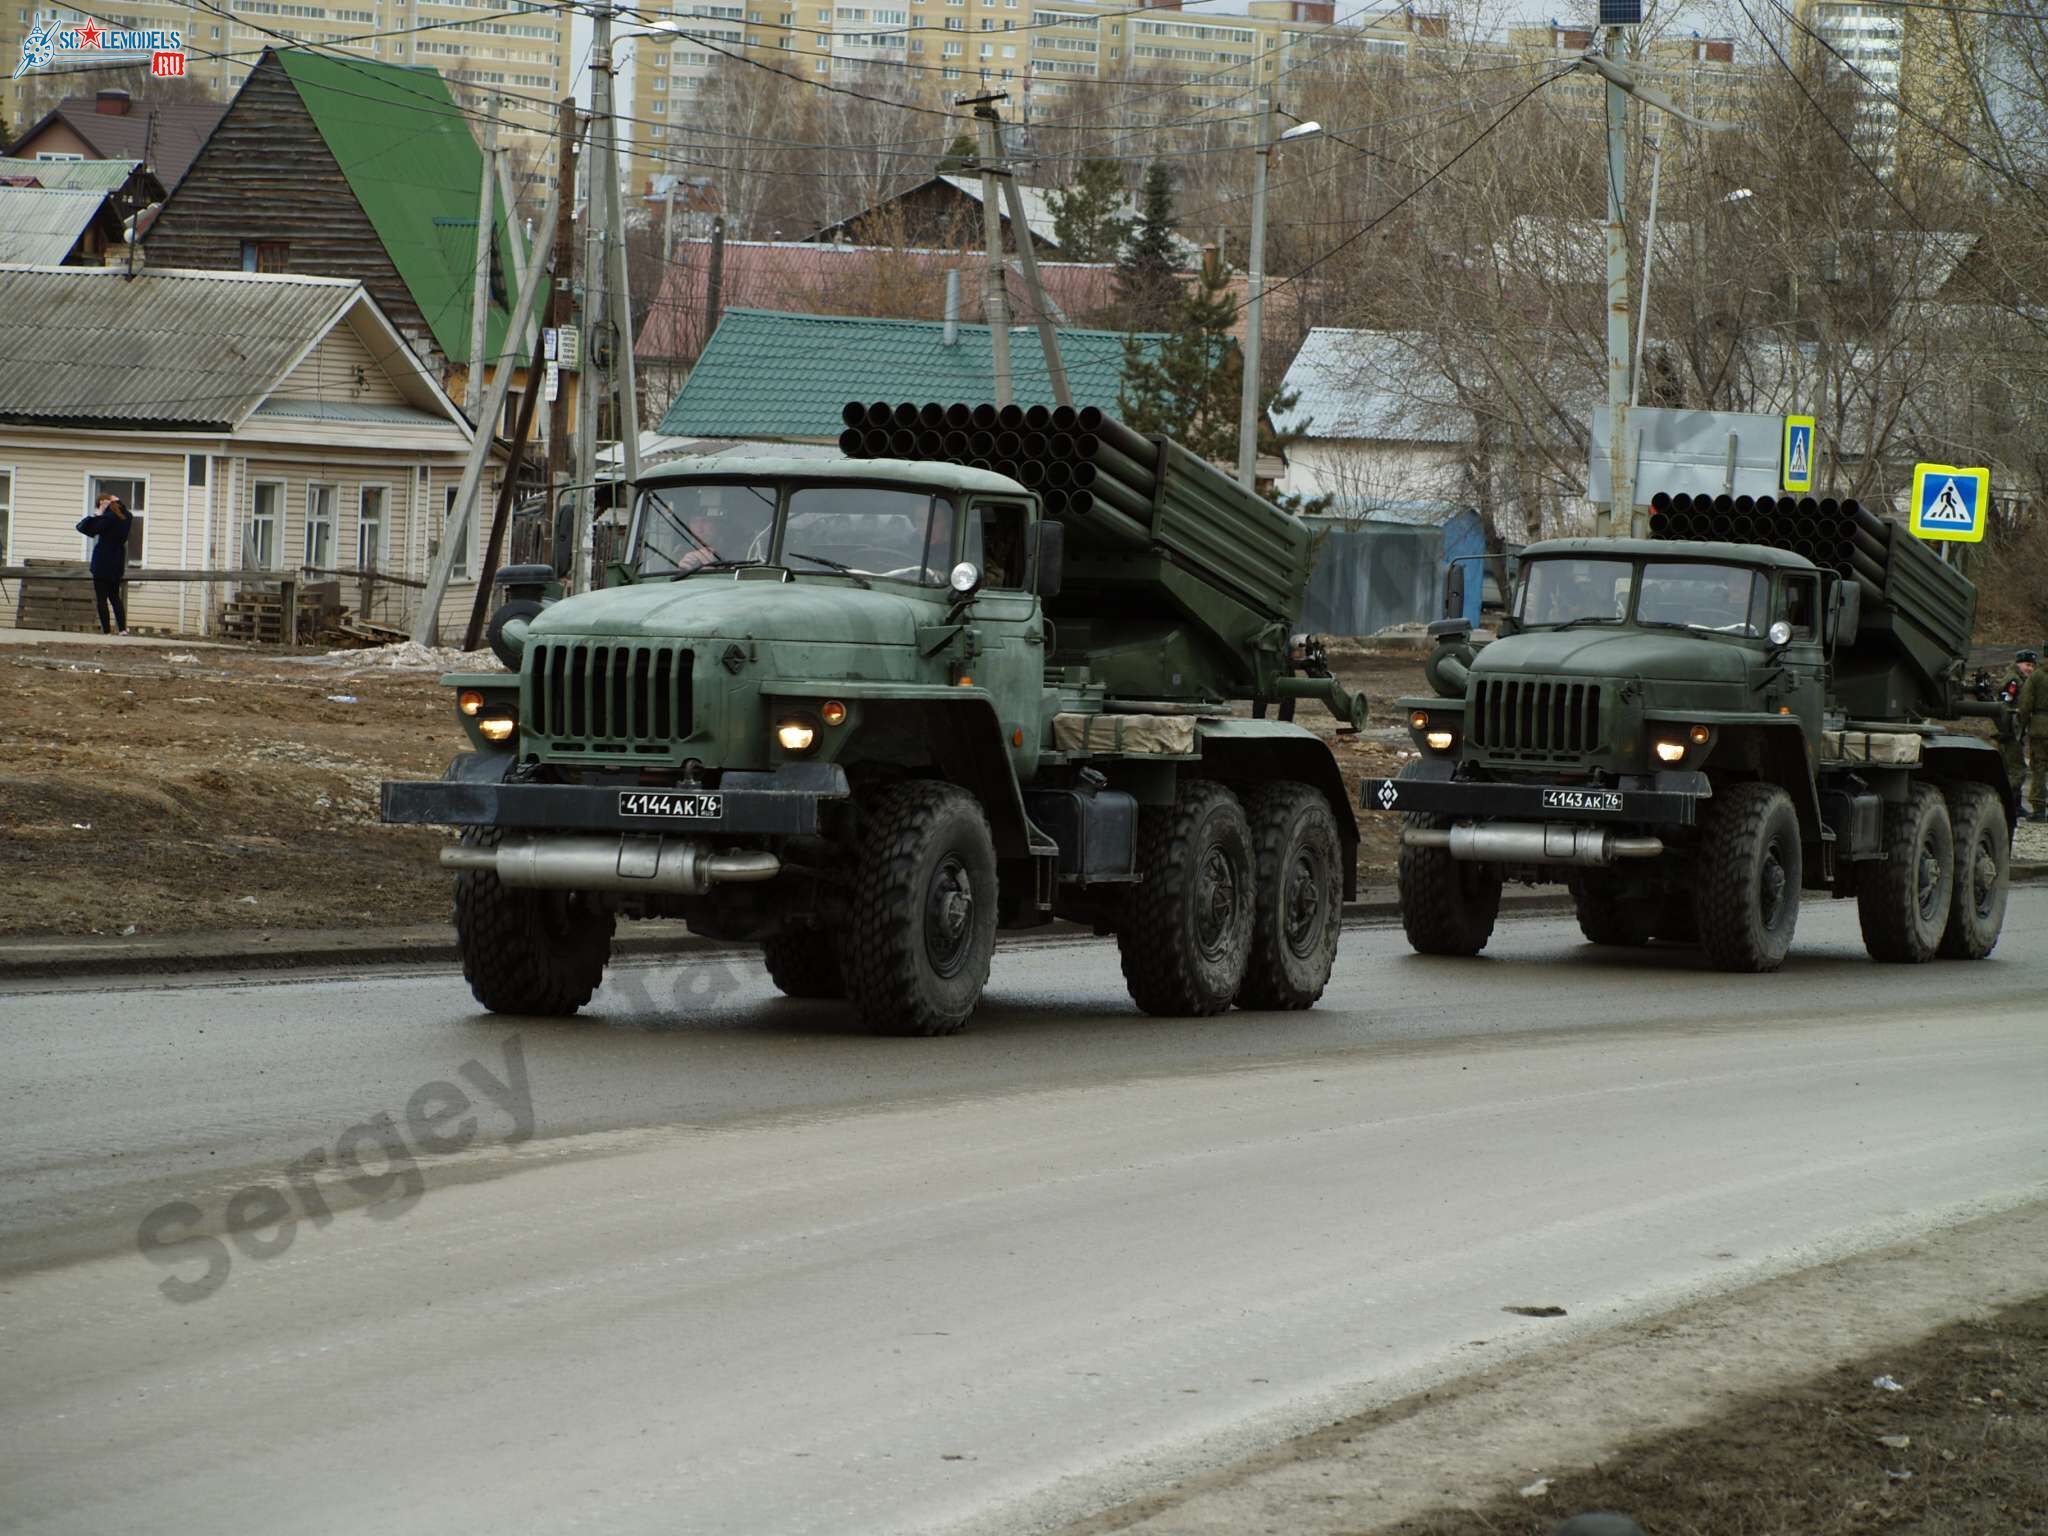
(1797, 468)
(1950, 503)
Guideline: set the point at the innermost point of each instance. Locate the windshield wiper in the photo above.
(830, 565)
(724, 563)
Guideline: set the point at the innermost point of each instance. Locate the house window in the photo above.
(134, 493)
(47, 154)
(371, 501)
(195, 470)
(266, 518)
(6, 509)
(265, 255)
(465, 547)
(319, 528)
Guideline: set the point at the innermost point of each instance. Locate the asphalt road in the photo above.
(708, 1260)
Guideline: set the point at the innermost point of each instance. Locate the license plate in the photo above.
(672, 805)
(1582, 799)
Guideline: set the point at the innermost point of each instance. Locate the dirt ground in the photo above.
(174, 791)
(1958, 1448)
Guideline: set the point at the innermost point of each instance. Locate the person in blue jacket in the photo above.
(108, 528)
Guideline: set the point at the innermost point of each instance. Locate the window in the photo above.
(685, 527)
(995, 542)
(465, 548)
(1726, 599)
(266, 518)
(46, 154)
(195, 470)
(6, 509)
(266, 255)
(371, 501)
(319, 528)
(1798, 606)
(134, 493)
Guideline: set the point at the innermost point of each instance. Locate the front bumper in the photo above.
(1670, 800)
(784, 802)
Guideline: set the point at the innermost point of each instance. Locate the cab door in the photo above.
(1010, 628)
(1802, 686)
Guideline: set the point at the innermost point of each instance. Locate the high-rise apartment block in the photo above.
(1909, 69)
(515, 51)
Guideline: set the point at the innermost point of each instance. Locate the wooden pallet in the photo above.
(45, 603)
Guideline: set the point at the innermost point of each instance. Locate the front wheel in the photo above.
(1747, 901)
(1611, 916)
(1187, 936)
(1448, 905)
(1983, 844)
(528, 951)
(917, 948)
(1298, 903)
(1903, 901)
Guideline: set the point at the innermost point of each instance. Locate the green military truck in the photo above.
(1692, 729)
(867, 711)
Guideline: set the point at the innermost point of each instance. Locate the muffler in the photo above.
(579, 862)
(1533, 842)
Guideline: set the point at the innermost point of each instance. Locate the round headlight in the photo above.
(1419, 721)
(497, 727)
(965, 578)
(470, 702)
(1699, 735)
(795, 735)
(834, 712)
(1780, 633)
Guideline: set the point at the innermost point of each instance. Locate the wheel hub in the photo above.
(1771, 887)
(1216, 899)
(1304, 905)
(1929, 881)
(949, 916)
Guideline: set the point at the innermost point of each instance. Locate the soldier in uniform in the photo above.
(2012, 745)
(2033, 712)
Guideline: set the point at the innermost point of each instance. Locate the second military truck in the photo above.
(867, 711)
(1691, 730)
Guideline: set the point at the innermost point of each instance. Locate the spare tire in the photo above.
(502, 645)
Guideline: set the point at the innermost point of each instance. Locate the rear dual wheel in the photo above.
(1903, 900)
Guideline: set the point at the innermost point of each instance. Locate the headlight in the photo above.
(834, 712)
(1440, 741)
(497, 727)
(1419, 721)
(796, 735)
(470, 702)
(1699, 735)
(1671, 751)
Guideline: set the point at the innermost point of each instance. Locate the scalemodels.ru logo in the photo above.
(51, 40)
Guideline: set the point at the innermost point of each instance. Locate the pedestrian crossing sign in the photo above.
(1798, 460)
(1950, 503)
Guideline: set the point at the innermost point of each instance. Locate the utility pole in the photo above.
(480, 289)
(561, 311)
(1621, 466)
(624, 373)
(668, 226)
(995, 303)
(1255, 295)
(1027, 257)
(595, 308)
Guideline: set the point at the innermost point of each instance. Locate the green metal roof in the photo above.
(924, 473)
(769, 374)
(406, 149)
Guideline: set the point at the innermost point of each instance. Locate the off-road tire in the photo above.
(1903, 901)
(1448, 905)
(1983, 859)
(494, 631)
(1608, 915)
(528, 951)
(804, 962)
(1186, 937)
(916, 948)
(1298, 900)
(1750, 864)
(1678, 921)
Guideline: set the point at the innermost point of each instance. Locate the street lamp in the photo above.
(1248, 406)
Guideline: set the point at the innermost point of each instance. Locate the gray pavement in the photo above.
(707, 1259)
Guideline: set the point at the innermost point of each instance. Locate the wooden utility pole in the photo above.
(561, 312)
(480, 291)
(1027, 258)
(995, 302)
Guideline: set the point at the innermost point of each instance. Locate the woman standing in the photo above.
(108, 528)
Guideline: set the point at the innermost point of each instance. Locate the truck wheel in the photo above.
(923, 928)
(1749, 870)
(1447, 905)
(804, 962)
(1298, 898)
(1677, 920)
(527, 951)
(1187, 937)
(1610, 916)
(1903, 901)
(1983, 845)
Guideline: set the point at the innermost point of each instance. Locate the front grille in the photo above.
(1535, 718)
(597, 697)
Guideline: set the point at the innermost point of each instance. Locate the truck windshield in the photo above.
(1727, 599)
(1575, 592)
(687, 527)
(869, 530)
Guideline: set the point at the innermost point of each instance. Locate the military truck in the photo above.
(1692, 729)
(865, 712)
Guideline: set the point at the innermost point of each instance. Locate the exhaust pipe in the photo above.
(628, 864)
(1529, 842)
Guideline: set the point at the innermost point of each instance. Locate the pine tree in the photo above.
(1089, 222)
(1147, 285)
(960, 155)
(1188, 389)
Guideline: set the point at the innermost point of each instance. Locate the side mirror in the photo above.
(1845, 612)
(1454, 592)
(1050, 569)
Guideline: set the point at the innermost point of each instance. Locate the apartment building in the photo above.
(1909, 68)
(1039, 50)
(1701, 73)
(480, 49)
